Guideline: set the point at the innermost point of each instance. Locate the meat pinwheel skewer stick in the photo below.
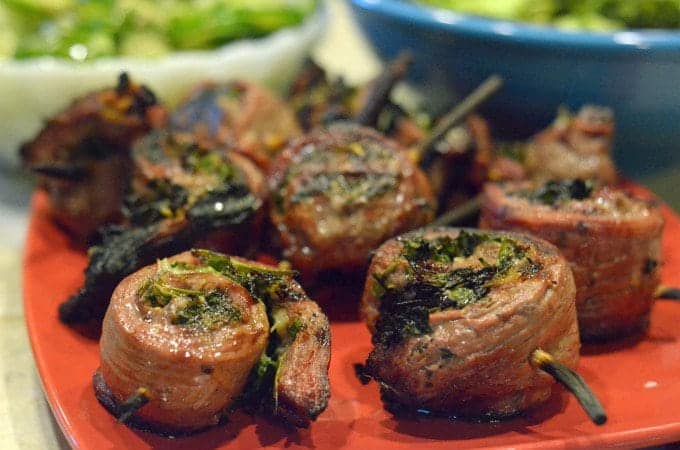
(380, 89)
(455, 314)
(182, 194)
(426, 148)
(86, 147)
(194, 336)
(611, 238)
(461, 213)
(571, 381)
(667, 292)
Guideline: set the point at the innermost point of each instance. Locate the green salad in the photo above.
(86, 29)
(596, 15)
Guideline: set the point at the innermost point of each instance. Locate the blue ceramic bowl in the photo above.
(637, 73)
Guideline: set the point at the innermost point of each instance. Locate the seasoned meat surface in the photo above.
(455, 315)
(337, 194)
(240, 115)
(194, 330)
(611, 239)
(183, 194)
(193, 359)
(577, 146)
(81, 156)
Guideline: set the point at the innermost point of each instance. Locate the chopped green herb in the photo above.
(405, 309)
(295, 327)
(442, 249)
(346, 190)
(192, 308)
(555, 192)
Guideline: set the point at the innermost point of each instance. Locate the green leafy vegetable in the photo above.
(555, 192)
(432, 286)
(87, 29)
(598, 15)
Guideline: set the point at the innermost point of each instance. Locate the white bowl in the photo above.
(33, 90)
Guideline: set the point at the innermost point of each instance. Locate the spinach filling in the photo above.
(192, 309)
(431, 286)
(552, 193)
(272, 287)
(222, 195)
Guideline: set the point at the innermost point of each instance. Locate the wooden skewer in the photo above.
(64, 172)
(381, 88)
(667, 292)
(426, 149)
(460, 213)
(130, 406)
(573, 382)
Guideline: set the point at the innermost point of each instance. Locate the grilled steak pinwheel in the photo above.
(187, 339)
(457, 315)
(239, 115)
(81, 156)
(317, 100)
(575, 146)
(611, 239)
(182, 194)
(337, 194)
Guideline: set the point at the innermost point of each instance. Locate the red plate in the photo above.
(636, 380)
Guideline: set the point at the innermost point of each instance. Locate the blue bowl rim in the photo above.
(639, 40)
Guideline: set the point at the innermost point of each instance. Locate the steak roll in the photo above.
(183, 195)
(192, 332)
(337, 194)
(611, 239)
(456, 316)
(574, 146)
(240, 115)
(81, 156)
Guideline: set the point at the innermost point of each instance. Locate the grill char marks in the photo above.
(338, 193)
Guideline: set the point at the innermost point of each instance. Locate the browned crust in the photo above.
(257, 125)
(361, 231)
(487, 373)
(608, 254)
(170, 361)
(303, 388)
(107, 118)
